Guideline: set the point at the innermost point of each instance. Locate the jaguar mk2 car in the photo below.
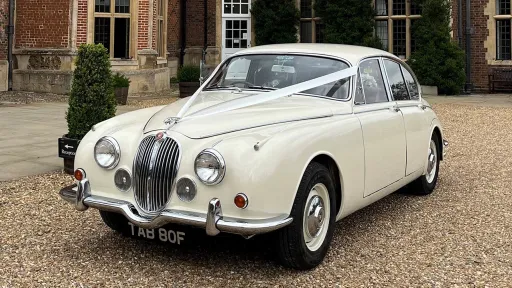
(282, 139)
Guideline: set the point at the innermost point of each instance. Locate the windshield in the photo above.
(272, 72)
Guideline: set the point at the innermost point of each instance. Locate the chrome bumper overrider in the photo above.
(79, 195)
(445, 146)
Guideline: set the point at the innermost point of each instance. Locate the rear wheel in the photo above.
(426, 184)
(304, 243)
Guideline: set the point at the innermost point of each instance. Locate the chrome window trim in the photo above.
(319, 55)
(362, 89)
(402, 67)
(384, 79)
(117, 149)
(372, 107)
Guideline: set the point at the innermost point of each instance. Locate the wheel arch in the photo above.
(436, 129)
(328, 161)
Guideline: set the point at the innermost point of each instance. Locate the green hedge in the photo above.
(92, 97)
(120, 81)
(275, 21)
(437, 61)
(348, 22)
(189, 73)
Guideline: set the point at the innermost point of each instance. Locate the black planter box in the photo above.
(67, 150)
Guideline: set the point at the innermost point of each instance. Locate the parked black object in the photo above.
(67, 150)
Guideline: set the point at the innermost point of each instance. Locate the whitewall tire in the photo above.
(304, 243)
(426, 184)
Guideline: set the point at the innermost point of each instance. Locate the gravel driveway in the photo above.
(459, 236)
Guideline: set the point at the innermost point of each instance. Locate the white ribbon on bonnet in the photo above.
(264, 97)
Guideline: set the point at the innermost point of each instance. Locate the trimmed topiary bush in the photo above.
(120, 81)
(348, 22)
(189, 73)
(437, 61)
(92, 96)
(275, 21)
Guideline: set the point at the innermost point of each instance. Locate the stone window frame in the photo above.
(392, 18)
(316, 22)
(133, 16)
(161, 36)
(502, 17)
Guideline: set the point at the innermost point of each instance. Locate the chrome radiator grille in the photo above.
(154, 170)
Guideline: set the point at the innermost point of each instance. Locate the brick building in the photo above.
(148, 39)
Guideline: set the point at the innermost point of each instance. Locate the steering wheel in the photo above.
(243, 82)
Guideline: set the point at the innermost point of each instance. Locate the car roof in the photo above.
(351, 53)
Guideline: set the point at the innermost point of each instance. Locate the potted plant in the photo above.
(188, 77)
(91, 99)
(121, 85)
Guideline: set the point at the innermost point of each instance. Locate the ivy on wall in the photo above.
(275, 21)
(437, 61)
(348, 22)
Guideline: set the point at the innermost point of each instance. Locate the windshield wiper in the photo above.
(261, 88)
(218, 87)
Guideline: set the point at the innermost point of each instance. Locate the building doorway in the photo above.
(236, 26)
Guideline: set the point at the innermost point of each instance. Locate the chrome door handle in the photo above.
(423, 107)
(394, 109)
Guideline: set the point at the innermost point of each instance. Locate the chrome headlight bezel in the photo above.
(221, 170)
(116, 148)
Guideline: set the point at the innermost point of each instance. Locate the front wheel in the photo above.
(425, 184)
(114, 221)
(304, 243)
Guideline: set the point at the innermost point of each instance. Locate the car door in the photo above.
(382, 127)
(405, 93)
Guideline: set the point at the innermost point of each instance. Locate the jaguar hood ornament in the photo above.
(171, 121)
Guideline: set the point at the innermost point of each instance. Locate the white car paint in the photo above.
(377, 148)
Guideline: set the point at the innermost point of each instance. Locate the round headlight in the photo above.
(123, 180)
(107, 152)
(210, 167)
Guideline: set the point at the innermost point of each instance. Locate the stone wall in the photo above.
(43, 70)
(4, 65)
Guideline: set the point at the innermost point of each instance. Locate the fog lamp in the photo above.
(186, 189)
(123, 180)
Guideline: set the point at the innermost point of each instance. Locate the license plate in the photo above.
(161, 234)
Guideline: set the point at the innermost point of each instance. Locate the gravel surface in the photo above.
(142, 100)
(18, 97)
(458, 236)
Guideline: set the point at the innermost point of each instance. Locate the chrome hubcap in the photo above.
(316, 217)
(431, 162)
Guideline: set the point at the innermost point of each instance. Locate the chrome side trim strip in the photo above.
(213, 222)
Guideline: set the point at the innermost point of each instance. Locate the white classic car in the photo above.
(283, 138)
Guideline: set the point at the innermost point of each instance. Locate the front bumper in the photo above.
(79, 195)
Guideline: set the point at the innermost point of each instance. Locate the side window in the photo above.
(373, 83)
(396, 80)
(359, 98)
(411, 84)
